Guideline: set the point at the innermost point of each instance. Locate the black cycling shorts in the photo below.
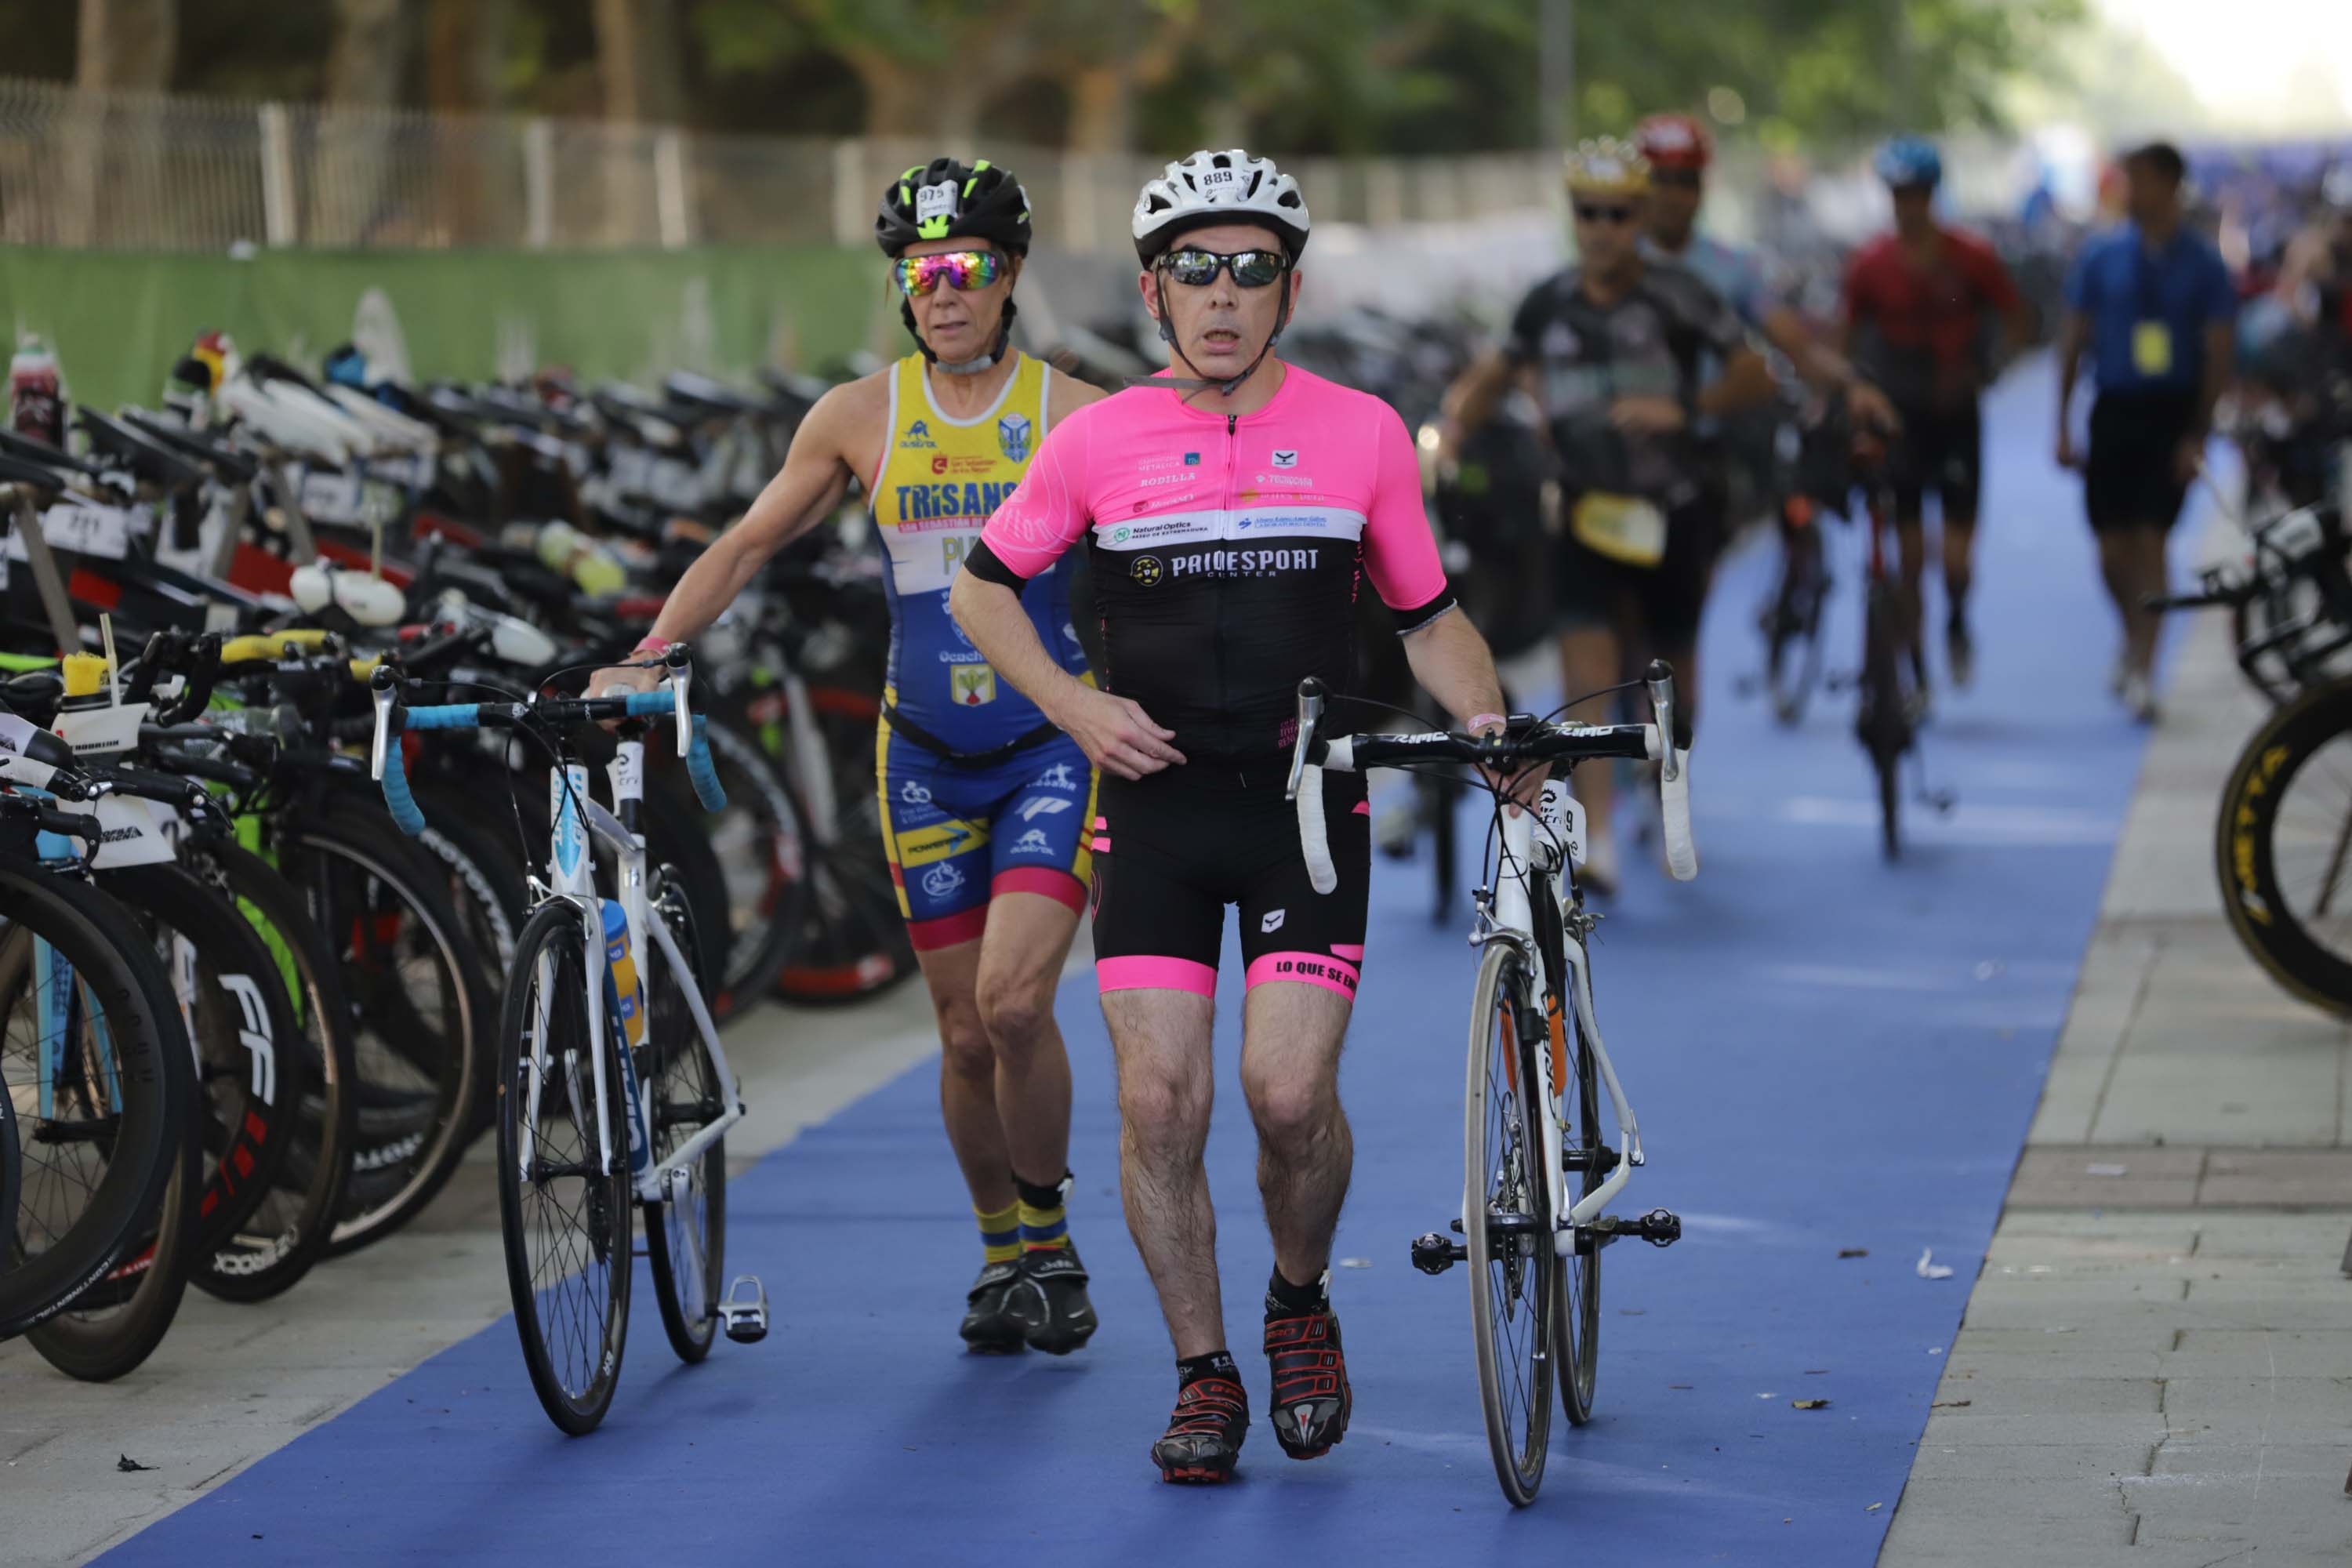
(1662, 603)
(1173, 848)
(2129, 479)
(1943, 451)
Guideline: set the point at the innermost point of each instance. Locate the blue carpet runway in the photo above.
(1826, 1052)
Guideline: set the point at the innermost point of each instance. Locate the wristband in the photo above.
(653, 645)
(1481, 721)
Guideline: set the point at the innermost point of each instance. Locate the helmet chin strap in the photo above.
(978, 366)
(1196, 381)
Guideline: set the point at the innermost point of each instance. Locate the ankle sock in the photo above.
(1044, 1224)
(1000, 1233)
(1192, 1368)
(1284, 1299)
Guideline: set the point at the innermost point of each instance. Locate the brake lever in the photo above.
(680, 660)
(1311, 696)
(1660, 678)
(383, 688)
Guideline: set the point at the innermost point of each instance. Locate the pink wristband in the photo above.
(652, 644)
(1483, 719)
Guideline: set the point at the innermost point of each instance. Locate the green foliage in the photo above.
(1303, 76)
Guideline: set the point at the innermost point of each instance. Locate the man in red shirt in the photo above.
(1928, 311)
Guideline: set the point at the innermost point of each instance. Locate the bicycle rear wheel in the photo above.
(1792, 661)
(1508, 1232)
(99, 1084)
(1885, 720)
(289, 1230)
(762, 846)
(420, 1009)
(677, 1069)
(563, 1190)
(1576, 1328)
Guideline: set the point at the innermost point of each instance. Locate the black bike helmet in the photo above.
(944, 199)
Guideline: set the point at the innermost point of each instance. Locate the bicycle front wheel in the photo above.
(2283, 846)
(1506, 1226)
(563, 1186)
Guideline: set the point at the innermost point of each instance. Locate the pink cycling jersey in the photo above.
(1227, 550)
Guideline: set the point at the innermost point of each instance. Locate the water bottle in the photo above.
(625, 974)
(36, 404)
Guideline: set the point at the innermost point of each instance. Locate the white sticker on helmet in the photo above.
(935, 200)
(1215, 183)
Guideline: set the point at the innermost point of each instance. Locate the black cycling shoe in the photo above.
(1204, 1436)
(1311, 1398)
(992, 1326)
(1051, 1301)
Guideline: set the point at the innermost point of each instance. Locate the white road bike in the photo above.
(612, 1083)
(1538, 1175)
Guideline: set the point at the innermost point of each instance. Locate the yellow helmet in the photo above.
(1607, 167)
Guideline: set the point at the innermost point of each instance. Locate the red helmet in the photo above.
(1674, 142)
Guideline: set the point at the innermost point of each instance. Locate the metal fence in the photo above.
(144, 172)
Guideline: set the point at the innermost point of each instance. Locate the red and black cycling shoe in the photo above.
(1204, 1436)
(1311, 1398)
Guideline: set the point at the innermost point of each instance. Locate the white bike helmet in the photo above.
(1210, 188)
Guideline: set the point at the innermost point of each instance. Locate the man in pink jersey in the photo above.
(1232, 506)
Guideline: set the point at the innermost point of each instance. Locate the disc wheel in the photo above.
(564, 1207)
(1508, 1232)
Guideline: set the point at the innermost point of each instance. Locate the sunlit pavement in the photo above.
(1829, 1055)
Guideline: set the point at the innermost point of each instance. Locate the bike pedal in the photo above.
(745, 1310)
(1433, 1254)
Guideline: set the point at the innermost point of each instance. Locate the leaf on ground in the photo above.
(1951, 1405)
(1808, 1404)
(125, 1462)
(1854, 1252)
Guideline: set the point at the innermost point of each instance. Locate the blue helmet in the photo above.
(1909, 161)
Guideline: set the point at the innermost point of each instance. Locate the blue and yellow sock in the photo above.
(1000, 1233)
(1044, 1224)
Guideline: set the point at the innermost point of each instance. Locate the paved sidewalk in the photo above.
(2156, 1367)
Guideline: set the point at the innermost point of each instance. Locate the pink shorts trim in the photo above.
(965, 925)
(1363, 808)
(1305, 969)
(1353, 952)
(1146, 974)
(1059, 886)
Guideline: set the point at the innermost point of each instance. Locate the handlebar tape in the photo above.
(396, 797)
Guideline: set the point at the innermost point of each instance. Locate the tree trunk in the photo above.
(465, 56)
(352, 197)
(127, 44)
(111, 188)
(638, 67)
(1102, 108)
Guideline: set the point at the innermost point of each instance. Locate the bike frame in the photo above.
(1535, 868)
(571, 870)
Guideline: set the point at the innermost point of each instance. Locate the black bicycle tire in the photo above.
(260, 1261)
(141, 1294)
(474, 840)
(2245, 839)
(556, 919)
(1519, 1473)
(691, 1342)
(1884, 721)
(1576, 1351)
(249, 1152)
(11, 1166)
(757, 956)
(153, 1060)
(376, 1205)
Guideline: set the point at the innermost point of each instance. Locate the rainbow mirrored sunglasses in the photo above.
(962, 270)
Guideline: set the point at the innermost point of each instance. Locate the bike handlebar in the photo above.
(386, 765)
(1524, 741)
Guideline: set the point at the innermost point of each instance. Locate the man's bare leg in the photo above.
(1166, 1088)
(1290, 1074)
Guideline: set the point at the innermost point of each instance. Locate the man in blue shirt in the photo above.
(2153, 303)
